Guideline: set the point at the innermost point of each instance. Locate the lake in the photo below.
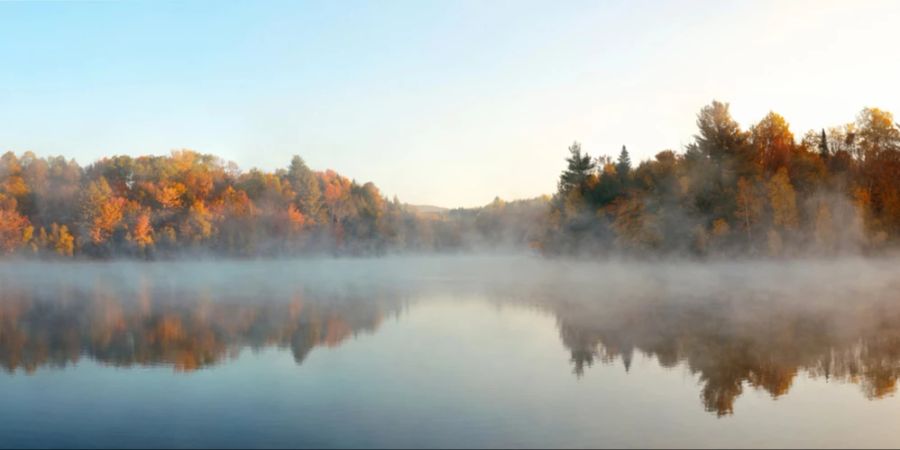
(464, 351)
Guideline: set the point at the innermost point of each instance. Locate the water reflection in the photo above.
(732, 335)
(738, 337)
(763, 348)
(157, 325)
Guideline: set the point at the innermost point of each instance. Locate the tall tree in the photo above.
(783, 200)
(749, 206)
(773, 142)
(306, 186)
(719, 136)
(13, 226)
(876, 133)
(102, 212)
(823, 146)
(623, 165)
(579, 166)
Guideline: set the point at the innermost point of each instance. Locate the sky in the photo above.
(447, 103)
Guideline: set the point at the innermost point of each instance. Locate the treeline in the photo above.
(756, 192)
(194, 204)
(760, 191)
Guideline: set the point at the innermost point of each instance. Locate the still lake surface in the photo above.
(493, 351)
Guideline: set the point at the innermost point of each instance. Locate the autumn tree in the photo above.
(773, 142)
(783, 204)
(142, 232)
(62, 240)
(879, 147)
(750, 206)
(877, 133)
(14, 228)
(101, 213)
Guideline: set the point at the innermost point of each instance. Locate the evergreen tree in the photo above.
(623, 165)
(579, 168)
(721, 139)
(823, 146)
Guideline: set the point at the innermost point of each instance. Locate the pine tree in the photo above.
(623, 165)
(720, 137)
(579, 168)
(823, 146)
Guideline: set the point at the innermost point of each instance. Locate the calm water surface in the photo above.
(438, 352)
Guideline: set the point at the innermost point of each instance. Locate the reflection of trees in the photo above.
(55, 326)
(735, 343)
(733, 335)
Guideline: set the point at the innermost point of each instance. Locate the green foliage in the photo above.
(623, 166)
(579, 167)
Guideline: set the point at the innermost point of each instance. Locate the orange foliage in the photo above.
(296, 220)
(169, 196)
(13, 227)
(107, 219)
(143, 231)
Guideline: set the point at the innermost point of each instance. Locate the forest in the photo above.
(193, 204)
(760, 192)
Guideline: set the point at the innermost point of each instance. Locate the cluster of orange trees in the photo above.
(731, 191)
(183, 203)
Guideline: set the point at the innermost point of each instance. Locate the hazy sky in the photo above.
(446, 103)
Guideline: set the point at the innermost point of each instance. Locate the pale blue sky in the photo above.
(446, 103)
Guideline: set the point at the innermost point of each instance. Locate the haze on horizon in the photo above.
(438, 103)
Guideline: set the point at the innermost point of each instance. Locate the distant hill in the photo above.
(427, 209)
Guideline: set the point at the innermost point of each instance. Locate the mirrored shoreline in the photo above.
(735, 327)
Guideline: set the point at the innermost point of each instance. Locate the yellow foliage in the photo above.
(783, 200)
(64, 241)
(27, 234)
(15, 186)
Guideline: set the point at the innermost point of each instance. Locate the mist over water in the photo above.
(457, 225)
(710, 336)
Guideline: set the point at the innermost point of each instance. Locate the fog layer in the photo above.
(736, 324)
